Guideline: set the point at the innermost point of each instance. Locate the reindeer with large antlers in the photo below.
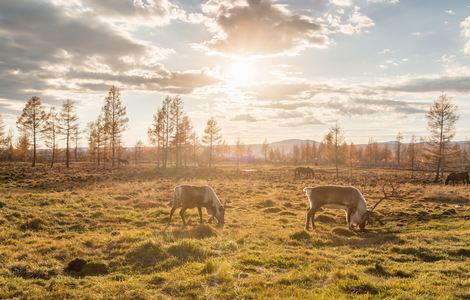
(347, 198)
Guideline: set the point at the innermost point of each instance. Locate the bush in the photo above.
(94, 268)
(203, 231)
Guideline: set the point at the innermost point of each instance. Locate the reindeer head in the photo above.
(370, 216)
(220, 214)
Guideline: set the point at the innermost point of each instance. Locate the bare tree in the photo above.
(168, 128)
(442, 116)
(239, 147)
(211, 137)
(50, 131)
(176, 117)
(31, 121)
(412, 154)
(265, 149)
(2, 133)
(115, 120)
(398, 153)
(22, 147)
(352, 158)
(92, 143)
(334, 138)
(156, 133)
(68, 123)
(138, 150)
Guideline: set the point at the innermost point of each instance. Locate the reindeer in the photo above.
(187, 196)
(457, 177)
(303, 171)
(347, 198)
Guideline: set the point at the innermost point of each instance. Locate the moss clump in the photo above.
(342, 231)
(203, 231)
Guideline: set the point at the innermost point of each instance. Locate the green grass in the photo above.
(114, 221)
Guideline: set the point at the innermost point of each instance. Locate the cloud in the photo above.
(342, 2)
(384, 1)
(458, 84)
(465, 26)
(245, 118)
(45, 47)
(260, 28)
(355, 23)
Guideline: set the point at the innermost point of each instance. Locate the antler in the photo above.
(393, 194)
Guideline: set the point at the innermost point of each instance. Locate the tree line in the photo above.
(176, 143)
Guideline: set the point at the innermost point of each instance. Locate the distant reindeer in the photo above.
(303, 172)
(187, 196)
(347, 198)
(123, 161)
(458, 177)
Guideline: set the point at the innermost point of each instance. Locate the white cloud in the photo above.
(260, 28)
(465, 26)
(450, 12)
(385, 1)
(342, 2)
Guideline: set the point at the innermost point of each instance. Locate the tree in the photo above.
(68, 124)
(412, 154)
(138, 150)
(265, 148)
(398, 153)
(156, 133)
(22, 147)
(442, 116)
(99, 134)
(92, 145)
(334, 138)
(50, 131)
(76, 138)
(352, 158)
(239, 147)
(211, 137)
(176, 116)
(2, 133)
(167, 129)
(115, 120)
(31, 121)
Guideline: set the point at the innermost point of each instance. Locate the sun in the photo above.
(241, 72)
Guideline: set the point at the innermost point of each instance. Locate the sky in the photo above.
(263, 68)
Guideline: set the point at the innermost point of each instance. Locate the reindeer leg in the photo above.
(169, 218)
(348, 219)
(199, 210)
(310, 215)
(182, 211)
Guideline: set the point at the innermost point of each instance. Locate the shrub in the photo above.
(301, 236)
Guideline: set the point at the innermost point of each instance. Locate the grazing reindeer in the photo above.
(187, 196)
(462, 176)
(303, 171)
(343, 197)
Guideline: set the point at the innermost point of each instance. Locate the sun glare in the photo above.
(241, 72)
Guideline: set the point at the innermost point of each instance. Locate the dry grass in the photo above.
(113, 220)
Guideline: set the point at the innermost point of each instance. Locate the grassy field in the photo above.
(114, 219)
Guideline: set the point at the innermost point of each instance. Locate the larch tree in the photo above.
(91, 131)
(398, 149)
(22, 147)
(50, 132)
(352, 158)
(31, 121)
(334, 139)
(156, 134)
(138, 151)
(412, 154)
(2, 133)
(168, 128)
(265, 149)
(115, 120)
(211, 137)
(176, 117)
(76, 139)
(239, 148)
(99, 133)
(442, 116)
(68, 124)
